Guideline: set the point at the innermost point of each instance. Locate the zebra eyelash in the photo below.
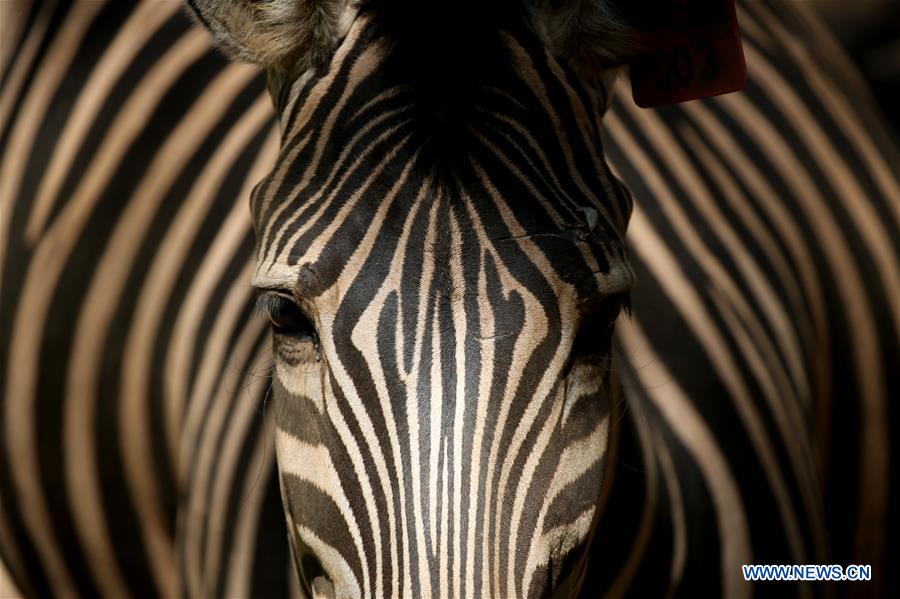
(609, 309)
(270, 304)
(622, 305)
(284, 315)
(594, 334)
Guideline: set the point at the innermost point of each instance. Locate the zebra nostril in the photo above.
(591, 217)
(320, 586)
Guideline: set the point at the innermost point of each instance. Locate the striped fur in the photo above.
(443, 432)
(765, 239)
(757, 362)
(125, 308)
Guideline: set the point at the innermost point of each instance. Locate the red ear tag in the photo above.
(695, 52)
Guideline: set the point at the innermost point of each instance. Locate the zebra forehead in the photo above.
(379, 179)
(388, 245)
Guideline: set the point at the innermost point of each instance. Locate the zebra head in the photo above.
(441, 255)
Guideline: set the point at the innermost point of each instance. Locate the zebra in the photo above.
(145, 144)
(672, 465)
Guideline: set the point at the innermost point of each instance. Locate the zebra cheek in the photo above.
(297, 381)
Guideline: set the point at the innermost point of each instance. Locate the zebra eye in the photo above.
(595, 333)
(286, 318)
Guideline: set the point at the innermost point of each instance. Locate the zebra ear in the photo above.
(285, 35)
(591, 36)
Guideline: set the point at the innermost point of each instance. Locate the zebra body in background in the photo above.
(761, 240)
(130, 219)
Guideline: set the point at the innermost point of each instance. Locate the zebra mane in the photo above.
(590, 35)
(293, 35)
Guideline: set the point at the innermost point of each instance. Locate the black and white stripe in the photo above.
(437, 432)
(128, 150)
(766, 320)
(757, 364)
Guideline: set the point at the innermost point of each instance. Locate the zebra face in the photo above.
(440, 253)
